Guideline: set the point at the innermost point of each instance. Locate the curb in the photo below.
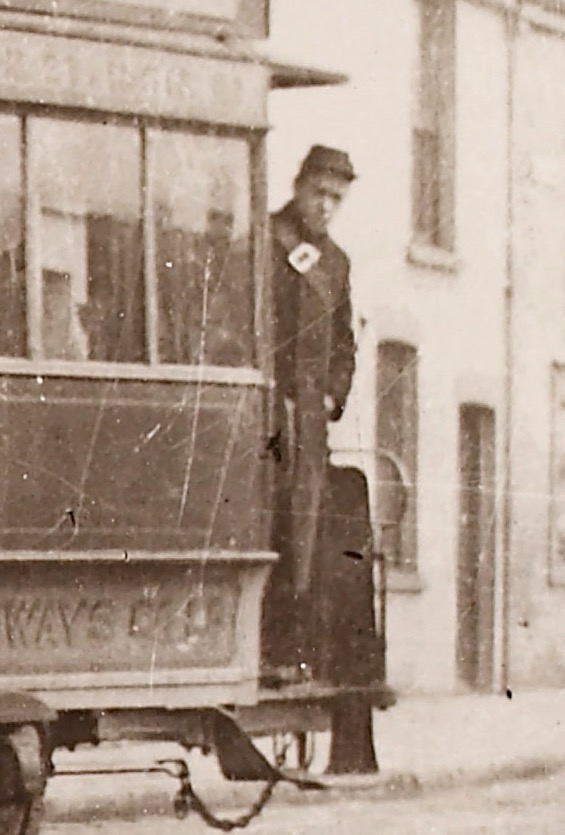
(154, 801)
(528, 768)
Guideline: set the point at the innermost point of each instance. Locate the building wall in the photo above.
(455, 319)
(537, 614)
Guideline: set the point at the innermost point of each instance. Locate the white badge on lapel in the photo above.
(303, 257)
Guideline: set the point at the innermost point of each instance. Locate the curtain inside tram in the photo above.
(175, 276)
(12, 266)
(12, 302)
(205, 313)
(114, 315)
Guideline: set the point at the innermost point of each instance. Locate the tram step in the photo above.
(239, 759)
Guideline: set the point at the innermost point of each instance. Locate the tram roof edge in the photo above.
(286, 73)
(287, 76)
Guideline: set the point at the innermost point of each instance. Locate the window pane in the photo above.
(12, 275)
(202, 222)
(426, 187)
(433, 168)
(86, 228)
(397, 434)
(432, 35)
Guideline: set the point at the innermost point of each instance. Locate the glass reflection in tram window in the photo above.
(12, 269)
(86, 239)
(201, 216)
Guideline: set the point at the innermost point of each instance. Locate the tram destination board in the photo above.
(67, 72)
(248, 18)
(98, 630)
(96, 617)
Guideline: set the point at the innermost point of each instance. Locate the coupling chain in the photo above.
(188, 800)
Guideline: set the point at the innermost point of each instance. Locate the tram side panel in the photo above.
(133, 542)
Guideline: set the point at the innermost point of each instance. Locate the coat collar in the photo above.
(289, 214)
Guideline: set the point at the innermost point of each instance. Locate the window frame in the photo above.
(152, 369)
(405, 458)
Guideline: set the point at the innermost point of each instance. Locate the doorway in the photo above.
(477, 546)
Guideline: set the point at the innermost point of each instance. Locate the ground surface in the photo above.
(527, 807)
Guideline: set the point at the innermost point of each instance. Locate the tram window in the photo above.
(200, 210)
(12, 274)
(85, 237)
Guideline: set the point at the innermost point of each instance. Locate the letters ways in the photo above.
(107, 631)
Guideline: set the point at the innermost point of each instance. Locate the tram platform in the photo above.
(424, 742)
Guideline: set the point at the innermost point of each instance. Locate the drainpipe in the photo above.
(512, 17)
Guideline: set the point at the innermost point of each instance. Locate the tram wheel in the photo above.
(23, 817)
(21, 792)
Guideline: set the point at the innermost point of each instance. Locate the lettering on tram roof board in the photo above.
(246, 17)
(225, 9)
(105, 76)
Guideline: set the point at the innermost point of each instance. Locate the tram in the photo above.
(135, 390)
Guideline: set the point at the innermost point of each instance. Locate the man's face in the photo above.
(317, 198)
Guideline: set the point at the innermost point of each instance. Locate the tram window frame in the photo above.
(59, 223)
(215, 273)
(151, 367)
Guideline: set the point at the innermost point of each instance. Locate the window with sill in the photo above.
(433, 127)
(137, 244)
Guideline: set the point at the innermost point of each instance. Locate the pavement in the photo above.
(424, 742)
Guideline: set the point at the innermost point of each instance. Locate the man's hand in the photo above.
(334, 409)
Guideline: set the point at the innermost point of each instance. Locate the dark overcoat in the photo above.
(329, 337)
(314, 356)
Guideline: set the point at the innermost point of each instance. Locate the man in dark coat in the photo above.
(314, 364)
